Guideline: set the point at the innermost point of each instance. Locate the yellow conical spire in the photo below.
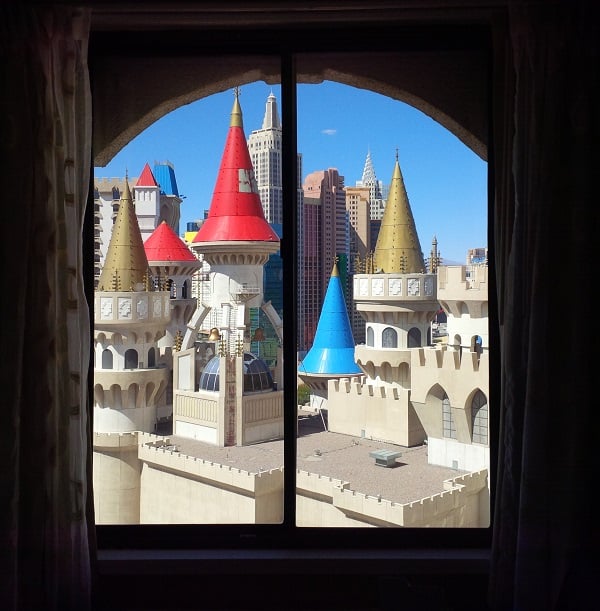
(126, 264)
(236, 111)
(398, 249)
(334, 270)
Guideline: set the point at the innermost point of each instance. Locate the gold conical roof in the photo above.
(126, 266)
(398, 249)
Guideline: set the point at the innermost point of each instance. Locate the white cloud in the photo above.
(329, 132)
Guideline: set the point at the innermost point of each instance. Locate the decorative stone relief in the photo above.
(414, 288)
(395, 287)
(428, 286)
(106, 308)
(142, 307)
(364, 287)
(156, 307)
(377, 286)
(124, 306)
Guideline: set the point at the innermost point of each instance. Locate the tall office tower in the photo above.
(359, 224)
(264, 145)
(325, 238)
(377, 190)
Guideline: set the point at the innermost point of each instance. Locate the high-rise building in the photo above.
(359, 225)
(264, 146)
(378, 192)
(325, 238)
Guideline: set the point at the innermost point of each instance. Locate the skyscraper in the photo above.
(264, 145)
(378, 192)
(325, 238)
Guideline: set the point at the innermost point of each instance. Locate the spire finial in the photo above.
(236, 111)
(396, 154)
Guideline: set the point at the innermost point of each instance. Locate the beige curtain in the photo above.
(546, 228)
(45, 479)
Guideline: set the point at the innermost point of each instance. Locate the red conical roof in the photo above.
(146, 178)
(236, 213)
(164, 245)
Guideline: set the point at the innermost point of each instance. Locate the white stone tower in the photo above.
(147, 202)
(397, 299)
(232, 400)
(129, 385)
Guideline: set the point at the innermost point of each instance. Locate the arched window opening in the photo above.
(107, 359)
(370, 337)
(389, 338)
(414, 338)
(131, 359)
(151, 358)
(457, 344)
(184, 290)
(479, 418)
(449, 426)
(477, 344)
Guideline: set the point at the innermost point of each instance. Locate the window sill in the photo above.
(293, 561)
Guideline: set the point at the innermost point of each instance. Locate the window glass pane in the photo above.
(189, 273)
(393, 236)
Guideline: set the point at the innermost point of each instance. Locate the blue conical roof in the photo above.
(332, 352)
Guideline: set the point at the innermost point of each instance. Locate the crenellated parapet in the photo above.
(442, 357)
(458, 504)
(354, 388)
(165, 455)
(463, 283)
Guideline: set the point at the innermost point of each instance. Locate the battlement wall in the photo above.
(457, 505)
(449, 360)
(163, 455)
(462, 283)
(355, 387)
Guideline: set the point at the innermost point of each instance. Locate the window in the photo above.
(448, 418)
(479, 416)
(389, 338)
(285, 531)
(131, 359)
(107, 359)
(414, 338)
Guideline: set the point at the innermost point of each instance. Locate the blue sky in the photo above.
(337, 125)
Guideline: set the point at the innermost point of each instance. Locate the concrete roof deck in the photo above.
(337, 456)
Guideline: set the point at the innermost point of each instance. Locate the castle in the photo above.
(402, 393)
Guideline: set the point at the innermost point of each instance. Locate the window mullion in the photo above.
(289, 255)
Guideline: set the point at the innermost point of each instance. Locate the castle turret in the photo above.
(147, 202)
(235, 239)
(398, 249)
(129, 317)
(233, 400)
(332, 354)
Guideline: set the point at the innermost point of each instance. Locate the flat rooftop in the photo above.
(338, 456)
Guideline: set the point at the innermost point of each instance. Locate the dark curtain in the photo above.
(546, 226)
(46, 521)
